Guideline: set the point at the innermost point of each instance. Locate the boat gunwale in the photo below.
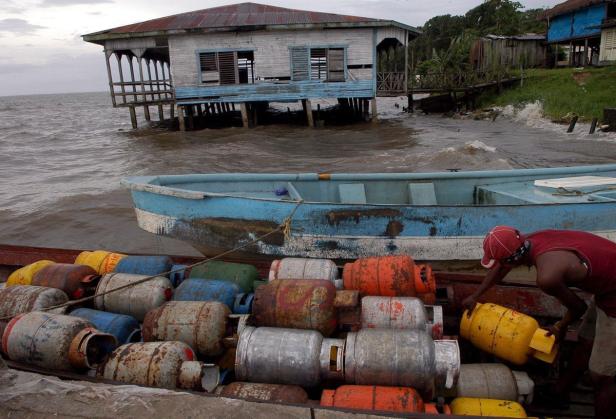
(146, 184)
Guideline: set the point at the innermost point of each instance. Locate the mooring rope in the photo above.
(562, 191)
(285, 227)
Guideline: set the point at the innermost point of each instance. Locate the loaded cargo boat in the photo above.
(440, 218)
(362, 336)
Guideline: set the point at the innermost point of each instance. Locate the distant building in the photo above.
(495, 51)
(246, 54)
(587, 28)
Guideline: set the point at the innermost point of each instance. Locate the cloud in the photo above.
(12, 7)
(18, 26)
(62, 3)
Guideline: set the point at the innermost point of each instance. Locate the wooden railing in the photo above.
(390, 83)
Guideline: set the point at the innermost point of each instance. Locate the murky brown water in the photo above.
(62, 157)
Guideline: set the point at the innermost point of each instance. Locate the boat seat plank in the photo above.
(293, 193)
(352, 193)
(422, 193)
(576, 182)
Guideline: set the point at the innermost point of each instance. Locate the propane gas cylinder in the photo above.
(507, 334)
(23, 276)
(55, 341)
(303, 268)
(386, 399)
(468, 406)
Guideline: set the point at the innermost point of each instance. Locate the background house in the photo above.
(492, 52)
(247, 54)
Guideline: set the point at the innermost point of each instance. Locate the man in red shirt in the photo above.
(565, 259)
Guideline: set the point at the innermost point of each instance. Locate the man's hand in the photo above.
(559, 330)
(469, 304)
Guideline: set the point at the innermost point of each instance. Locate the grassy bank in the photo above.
(562, 92)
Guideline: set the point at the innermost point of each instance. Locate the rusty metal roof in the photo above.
(244, 16)
(570, 6)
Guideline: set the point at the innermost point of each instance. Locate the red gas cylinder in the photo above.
(386, 399)
(74, 280)
(306, 304)
(390, 276)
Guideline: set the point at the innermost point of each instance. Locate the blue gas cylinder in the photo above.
(198, 289)
(243, 303)
(179, 275)
(125, 328)
(144, 265)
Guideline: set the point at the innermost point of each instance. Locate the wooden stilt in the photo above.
(161, 113)
(133, 116)
(199, 112)
(374, 111)
(122, 88)
(146, 113)
(191, 117)
(181, 120)
(410, 104)
(108, 54)
(366, 112)
(218, 108)
(233, 106)
(244, 111)
(172, 112)
(206, 109)
(308, 108)
(254, 114)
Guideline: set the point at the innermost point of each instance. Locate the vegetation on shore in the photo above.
(562, 92)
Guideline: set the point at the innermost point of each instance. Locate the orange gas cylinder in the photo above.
(386, 399)
(389, 276)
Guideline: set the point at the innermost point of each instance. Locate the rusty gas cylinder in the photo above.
(288, 356)
(407, 358)
(200, 324)
(136, 300)
(307, 304)
(75, 280)
(55, 341)
(24, 275)
(385, 399)
(388, 276)
(20, 299)
(401, 313)
(276, 393)
(160, 364)
(494, 381)
(303, 268)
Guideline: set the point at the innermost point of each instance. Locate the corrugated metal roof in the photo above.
(571, 6)
(522, 37)
(237, 16)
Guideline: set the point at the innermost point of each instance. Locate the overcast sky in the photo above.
(41, 50)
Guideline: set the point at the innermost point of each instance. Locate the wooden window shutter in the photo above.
(227, 67)
(335, 64)
(208, 63)
(300, 63)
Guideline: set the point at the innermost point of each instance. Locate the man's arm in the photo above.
(493, 277)
(576, 307)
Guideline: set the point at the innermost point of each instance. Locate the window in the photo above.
(227, 67)
(325, 64)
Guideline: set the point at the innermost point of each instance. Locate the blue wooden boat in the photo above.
(431, 216)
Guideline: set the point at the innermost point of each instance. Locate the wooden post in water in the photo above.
(132, 77)
(308, 107)
(199, 112)
(585, 63)
(593, 125)
(191, 120)
(572, 124)
(375, 115)
(171, 112)
(181, 120)
(244, 112)
(133, 116)
(146, 112)
(366, 111)
(409, 104)
(161, 113)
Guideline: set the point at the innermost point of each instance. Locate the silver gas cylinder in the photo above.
(288, 356)
(55, 341)
(407, 358)
(494, 381)
(135, 300)
(200, 324)
(401, 313)
(304, 268)
(160, 364)
(20, 299)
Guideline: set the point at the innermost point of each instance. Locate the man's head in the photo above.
(501, 245)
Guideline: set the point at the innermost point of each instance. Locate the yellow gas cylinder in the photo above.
(470, 406)
(97, 260)
(110, 262)
(508, 334)
(24, 275)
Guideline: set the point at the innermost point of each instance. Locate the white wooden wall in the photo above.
(271, 50)
(608, 45)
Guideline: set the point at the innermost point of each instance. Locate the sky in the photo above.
(41, 50)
